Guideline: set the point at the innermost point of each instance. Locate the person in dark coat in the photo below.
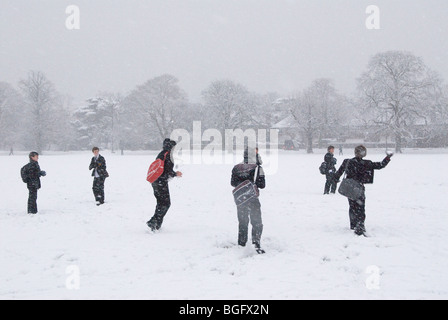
(32, 177)
(99, 174)
(160, 186)
(331, 182)
(362, 171)
(250, 211)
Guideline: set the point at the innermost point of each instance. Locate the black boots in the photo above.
(258, 247)
(360, 229)
(152, 225)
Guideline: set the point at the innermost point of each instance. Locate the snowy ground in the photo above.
(311, 254)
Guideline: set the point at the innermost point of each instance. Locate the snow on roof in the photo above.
(288, 122)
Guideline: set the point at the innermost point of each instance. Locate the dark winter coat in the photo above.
(100, 166)
(33, 174)
(331, 161)
(168, 171)
(243, 172)
(361, 170)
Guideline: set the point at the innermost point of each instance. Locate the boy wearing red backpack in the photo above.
(160, 186)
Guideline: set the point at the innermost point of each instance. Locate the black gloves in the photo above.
(390, 154)
(43, 173)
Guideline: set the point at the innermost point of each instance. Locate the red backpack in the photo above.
(156, 170)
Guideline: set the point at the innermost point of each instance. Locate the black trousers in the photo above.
(250, 211)
(330, 184)
(32, 201)
(98, 189)
(357, 213)
(162, 194)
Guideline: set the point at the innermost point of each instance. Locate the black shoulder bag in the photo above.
(351, 188)
(248, 190)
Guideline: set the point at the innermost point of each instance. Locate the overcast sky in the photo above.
(267, 45)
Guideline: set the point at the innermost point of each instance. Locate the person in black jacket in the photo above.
(251, 209)
(160, 186)
(331, 182)
(98, 164)
(32, 178)
(362, 171)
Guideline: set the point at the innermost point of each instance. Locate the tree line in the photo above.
(397, 95)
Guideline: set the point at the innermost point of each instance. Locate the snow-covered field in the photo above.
(311, 253)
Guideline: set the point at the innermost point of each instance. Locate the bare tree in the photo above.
(265, 114)
(61, 133)
(397, 90)
(229, 104)
(330, 105)
(136, 130)
(435, 134)
(112, 105)
(41, 100)
(317, 111)
(11, 116)
(157, 104)
(305, 113)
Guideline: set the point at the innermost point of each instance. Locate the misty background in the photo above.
(109, 80)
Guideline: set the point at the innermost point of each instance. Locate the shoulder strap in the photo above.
(346, 166)
(164, 159)
(257, 171)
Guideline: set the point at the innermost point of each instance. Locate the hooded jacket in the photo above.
(168, 171)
